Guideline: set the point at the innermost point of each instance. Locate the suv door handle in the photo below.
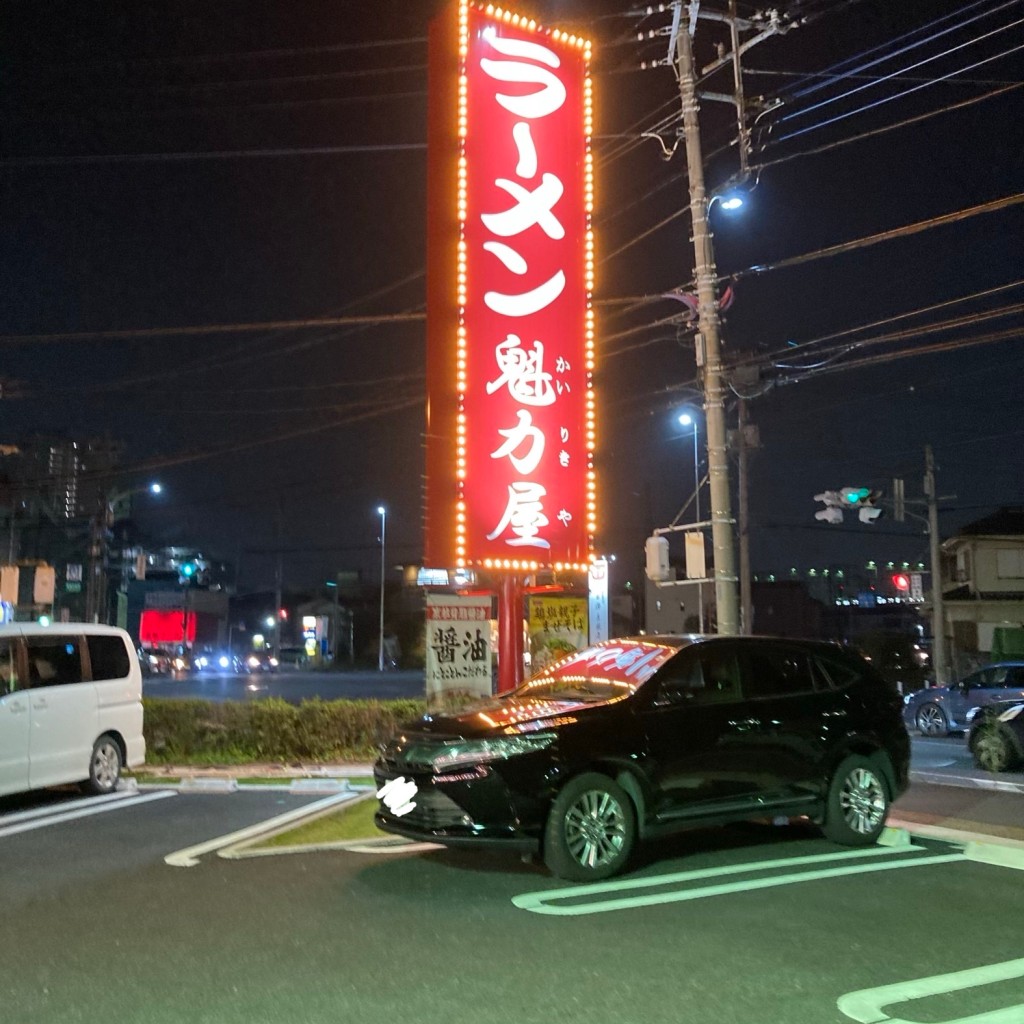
(40, 703)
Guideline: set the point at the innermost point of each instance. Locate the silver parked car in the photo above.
(939, 710)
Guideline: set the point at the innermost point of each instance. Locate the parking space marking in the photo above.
(865, 1006)
(189, 857)
(44, 817)
(547, 902)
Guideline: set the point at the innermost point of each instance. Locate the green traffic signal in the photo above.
(855, 495)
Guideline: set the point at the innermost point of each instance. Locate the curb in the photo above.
(978, 846)
(966, 781)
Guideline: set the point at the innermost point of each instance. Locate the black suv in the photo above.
(641, 736)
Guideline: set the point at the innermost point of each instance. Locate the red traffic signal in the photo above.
(901, 581)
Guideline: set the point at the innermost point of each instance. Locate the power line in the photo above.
(223, 154)
(961, 23)
(205, 329)
(918, 119)
(884, 236)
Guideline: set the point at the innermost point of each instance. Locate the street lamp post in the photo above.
(96, 588)
(382, 512)
(686, 420)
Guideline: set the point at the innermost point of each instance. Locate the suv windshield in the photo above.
(611, 669)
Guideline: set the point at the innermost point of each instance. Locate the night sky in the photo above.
(181, 164)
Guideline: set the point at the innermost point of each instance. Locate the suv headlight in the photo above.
(467, 752)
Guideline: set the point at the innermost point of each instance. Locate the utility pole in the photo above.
(278, 577)
(938, 611)
(746, 601)
(708, 345)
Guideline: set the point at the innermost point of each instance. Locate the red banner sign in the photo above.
(524, 272)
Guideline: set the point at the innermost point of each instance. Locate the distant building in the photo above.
(983, 589)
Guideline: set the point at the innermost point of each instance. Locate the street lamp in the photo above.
(382, 512)
(99, 548)
(687, 420)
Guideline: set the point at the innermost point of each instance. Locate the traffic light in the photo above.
(832, 512)
(901, 581)
(855, 495)
(863, 499)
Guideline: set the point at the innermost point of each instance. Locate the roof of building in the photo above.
(1006, 521)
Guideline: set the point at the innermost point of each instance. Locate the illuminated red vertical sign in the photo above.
(522, 397)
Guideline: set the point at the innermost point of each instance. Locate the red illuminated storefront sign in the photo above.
(167, 627)
(519, 386)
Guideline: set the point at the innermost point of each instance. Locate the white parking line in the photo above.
(42, 812)
(865, 1006)
(189, 857)
(115, 802)
(547, 902)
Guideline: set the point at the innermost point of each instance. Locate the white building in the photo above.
(983, 590)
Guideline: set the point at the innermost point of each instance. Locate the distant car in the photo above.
(154, 662)
(643, 736)
(217, 661)
(996, 736)
(940, 710)
(260, 661)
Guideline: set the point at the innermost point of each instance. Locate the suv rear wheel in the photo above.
(590, 830)
(858, 802)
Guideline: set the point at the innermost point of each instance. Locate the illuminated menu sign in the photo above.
(523, 439)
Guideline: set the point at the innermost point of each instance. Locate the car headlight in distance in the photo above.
(224, 662)
(466, 752)
(253, 661)
(1011, 713)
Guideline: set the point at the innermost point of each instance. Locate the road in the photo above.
(751, 924)
(292, 686)
(745, 925)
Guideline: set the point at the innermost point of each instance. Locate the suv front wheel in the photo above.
(858, 802)
(590, 830)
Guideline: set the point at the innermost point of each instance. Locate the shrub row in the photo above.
(208, 732)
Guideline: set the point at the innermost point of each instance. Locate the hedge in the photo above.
(208, 732)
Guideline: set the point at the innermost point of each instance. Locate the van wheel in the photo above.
(104, 766)
(858, 803)
(590, 830)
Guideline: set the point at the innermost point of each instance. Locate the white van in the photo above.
(70, 706)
